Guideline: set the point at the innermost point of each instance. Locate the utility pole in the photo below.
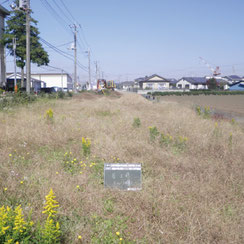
(89, 65)
(75, 55)
(15, 80)
(28, 61)
(96, 70)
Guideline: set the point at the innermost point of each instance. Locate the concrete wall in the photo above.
(155, 85)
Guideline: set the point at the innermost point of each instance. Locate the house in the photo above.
(60, 80)
(238, 86)
(126, 86)
(3, 13)
(172, 82)
(35, 83)
(192, 83)
(153, 82)
(231, 79)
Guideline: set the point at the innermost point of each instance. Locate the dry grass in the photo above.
(194, 195)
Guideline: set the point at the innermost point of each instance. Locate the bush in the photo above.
(70, 94)
(61, 94)
(136, 123)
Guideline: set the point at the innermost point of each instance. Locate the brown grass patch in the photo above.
(190, 195)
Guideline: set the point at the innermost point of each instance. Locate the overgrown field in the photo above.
(193, 173)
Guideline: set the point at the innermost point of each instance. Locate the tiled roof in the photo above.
(195, 80)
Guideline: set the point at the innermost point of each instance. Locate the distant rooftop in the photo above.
(195, 80)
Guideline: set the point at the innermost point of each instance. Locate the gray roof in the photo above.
(195, 80)
(233, 77)
(172, 80)
(147, 78)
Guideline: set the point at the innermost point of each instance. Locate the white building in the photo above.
(61, 80)
(192, 83)
(153, 82)
(35, 83)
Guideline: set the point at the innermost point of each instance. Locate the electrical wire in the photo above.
(68, 11)
(73, 18)
(64, 54)
(56, 16)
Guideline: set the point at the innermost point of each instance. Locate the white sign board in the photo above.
(123, 176)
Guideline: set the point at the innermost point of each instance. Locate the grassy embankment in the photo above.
(193, 175)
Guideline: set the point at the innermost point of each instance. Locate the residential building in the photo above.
(231, 79)
(172, 82)
(192, 83)
(60, 80)
(238, 86)
(3, 13)
(126, 86)
(153, 82)
(35, 83)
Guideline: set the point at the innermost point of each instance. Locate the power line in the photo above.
(73, 18)
(63, 12)
(64, 54)
(68, 11)
(58, 18)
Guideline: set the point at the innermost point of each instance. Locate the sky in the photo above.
(134, 38)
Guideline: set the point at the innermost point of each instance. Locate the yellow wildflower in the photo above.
(50, 204)
(117, 233)
(57, 173)
(79, 237)
(121, 239)
(21, 182)
(19, 222)
(5, 189)
(77, 186)
(10, 155)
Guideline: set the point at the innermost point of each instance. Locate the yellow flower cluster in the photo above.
(86, 146)
(13, 224)
(51, 231)
(50, 205)
(49, 114)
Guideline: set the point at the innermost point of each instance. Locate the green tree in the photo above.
(15, 28)
(212, 84)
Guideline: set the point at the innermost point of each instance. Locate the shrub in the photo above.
(153, 133)
(70, 94)
(165, 140)
(136, 123)
(61, 94)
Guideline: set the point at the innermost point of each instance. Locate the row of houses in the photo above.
(159, 83)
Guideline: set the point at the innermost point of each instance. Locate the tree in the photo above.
(212, 84)
(15, 28)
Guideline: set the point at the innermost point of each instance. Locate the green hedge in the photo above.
(196, 93)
